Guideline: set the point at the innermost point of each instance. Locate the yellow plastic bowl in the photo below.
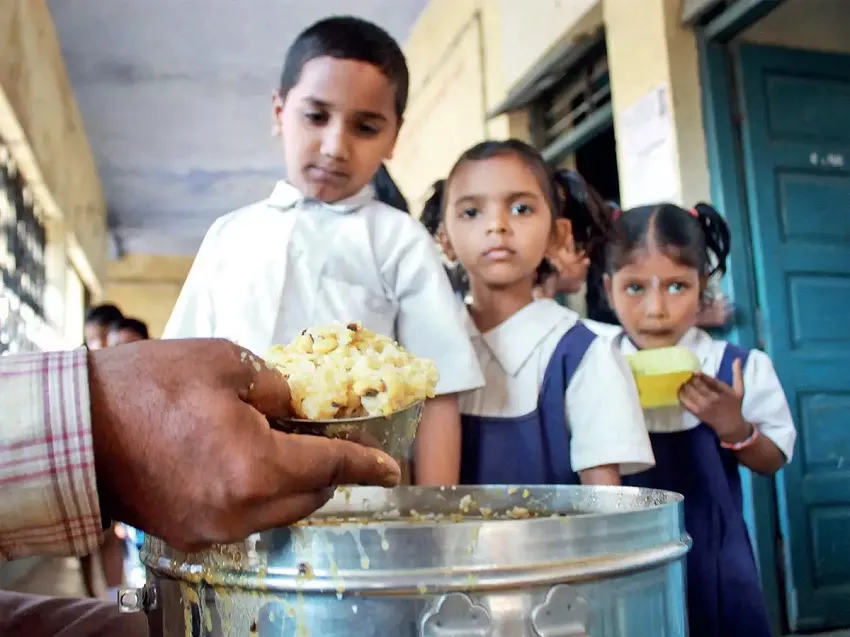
(659, 373)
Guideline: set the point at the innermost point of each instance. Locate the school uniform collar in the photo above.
(695, 339)
(285, 197)
(513, 342)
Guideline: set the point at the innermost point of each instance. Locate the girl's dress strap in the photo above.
(533, 448)
(730, 462)
(730, 353)
(555, 429)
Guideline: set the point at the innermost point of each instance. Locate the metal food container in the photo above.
(393, 434)
(550, 561)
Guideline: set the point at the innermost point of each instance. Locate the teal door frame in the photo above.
(727, 191)
(726, 167)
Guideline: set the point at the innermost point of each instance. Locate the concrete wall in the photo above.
(43, 132)
(658, 52)
(464, 56)
(529, 31)
(41, 123)
(146, 287)
(452, 76)
(43, 128)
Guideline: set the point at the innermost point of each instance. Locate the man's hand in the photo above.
(184, 452)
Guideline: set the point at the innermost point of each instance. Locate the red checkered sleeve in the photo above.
(48, 494)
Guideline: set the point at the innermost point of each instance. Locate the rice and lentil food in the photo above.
(348, 371)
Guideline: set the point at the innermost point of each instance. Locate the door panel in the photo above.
(796, 137)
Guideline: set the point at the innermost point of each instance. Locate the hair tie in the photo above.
(693, 212)
(615, 213)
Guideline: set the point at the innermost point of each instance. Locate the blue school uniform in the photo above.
(530, 449)
(724, 592)
(543, 414)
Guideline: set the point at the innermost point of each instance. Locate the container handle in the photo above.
(456, 615)
(561, 614)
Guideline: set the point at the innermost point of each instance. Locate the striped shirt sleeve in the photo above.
(48, 494)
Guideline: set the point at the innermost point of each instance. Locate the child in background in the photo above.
(732, 412)
(127, 330)
(559, 405)
(107, 559)
(123, 332)
(321, 248)
(96, 326)
(589, 204)
(589, 222)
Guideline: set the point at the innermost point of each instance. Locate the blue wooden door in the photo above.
(796, 138)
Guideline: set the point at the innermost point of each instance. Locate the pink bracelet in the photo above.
(746, 442)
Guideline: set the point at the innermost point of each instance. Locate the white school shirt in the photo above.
(268, 271)
(764, 405)
(602, 406)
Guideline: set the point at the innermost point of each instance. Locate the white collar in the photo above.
(514, 341)
(285, 196)
(695, 339)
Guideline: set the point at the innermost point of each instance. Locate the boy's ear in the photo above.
(389, 154)
(277, 112)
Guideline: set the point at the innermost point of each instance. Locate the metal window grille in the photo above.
(23, 238)
(575, 108)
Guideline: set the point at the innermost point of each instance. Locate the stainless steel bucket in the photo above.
(553, 561)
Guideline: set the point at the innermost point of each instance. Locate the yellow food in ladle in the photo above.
(347, 371)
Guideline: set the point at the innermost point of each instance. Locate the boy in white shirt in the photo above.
(321, 248)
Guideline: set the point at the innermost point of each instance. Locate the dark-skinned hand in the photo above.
(183, 449)
(717, 404)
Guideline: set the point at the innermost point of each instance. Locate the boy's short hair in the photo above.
(103, 315)
(348, 38)
(132, 325)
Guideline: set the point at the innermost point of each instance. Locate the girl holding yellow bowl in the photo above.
(710, 406)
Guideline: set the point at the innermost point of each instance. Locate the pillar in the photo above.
(649, 48)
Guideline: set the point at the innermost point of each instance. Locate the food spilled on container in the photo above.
(347, 371)
(445, 505)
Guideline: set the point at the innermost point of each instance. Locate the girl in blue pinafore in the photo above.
(559, 404)
(733, 412)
